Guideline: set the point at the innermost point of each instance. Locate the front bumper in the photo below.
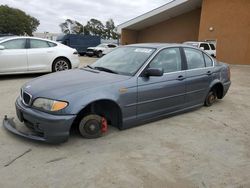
(90, 52)
(42, 126)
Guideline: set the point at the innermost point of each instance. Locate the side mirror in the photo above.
(154, 72)
(2, 47)
(202, 48)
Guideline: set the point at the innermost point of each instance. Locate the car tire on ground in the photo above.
(92, 126)
(211, 98)
(99, 54)
(60, 64)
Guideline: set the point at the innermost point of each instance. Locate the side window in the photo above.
(34, 43)
(208, 60)
(194, 58)
(51, 44)
(212, 46)
(205, 46)
(168, 59)
(111, 46)
(15, 44)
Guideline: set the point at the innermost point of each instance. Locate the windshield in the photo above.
(124, 60)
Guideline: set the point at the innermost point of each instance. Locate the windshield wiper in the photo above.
(105, 69)
(89, 66)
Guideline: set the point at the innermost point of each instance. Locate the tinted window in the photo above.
(168, 59)
(111, 46)
(14, 44)
(205, 46)
(38, 43)
(212, 46)
(208, 61)
(194, 58)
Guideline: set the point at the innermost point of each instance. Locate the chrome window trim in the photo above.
(174, 72)
(163, 48)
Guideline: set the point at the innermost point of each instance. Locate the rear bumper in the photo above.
(226, 87)
(42, 126)
(75, 61)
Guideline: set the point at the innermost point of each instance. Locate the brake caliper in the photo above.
(104, 126)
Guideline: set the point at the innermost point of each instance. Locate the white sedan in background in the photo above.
(100, 50)
(31, 55)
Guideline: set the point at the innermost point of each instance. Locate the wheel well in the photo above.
(106, 108)
(219, 90)
(62, 57)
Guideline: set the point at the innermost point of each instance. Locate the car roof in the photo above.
(197, 42)
(158, 45)
(26, 37)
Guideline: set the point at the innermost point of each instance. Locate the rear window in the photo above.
(34, 43)
(194, 58)
(208, 60)
(51, 44)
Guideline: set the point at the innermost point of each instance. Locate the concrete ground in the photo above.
(208, 147)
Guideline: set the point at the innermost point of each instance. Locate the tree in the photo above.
(95, 27)
(110, 30)
(17, 22)
(71, 27)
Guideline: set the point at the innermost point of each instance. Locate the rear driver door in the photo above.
(198, 77)
(40, 55)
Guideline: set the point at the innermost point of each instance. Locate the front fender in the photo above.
(81, 101)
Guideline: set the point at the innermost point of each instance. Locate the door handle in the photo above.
(209, 72)
(49, 51)
(181, 77)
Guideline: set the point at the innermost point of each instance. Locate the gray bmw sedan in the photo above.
(132, 85)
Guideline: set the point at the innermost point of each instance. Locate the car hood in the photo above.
(60, 85)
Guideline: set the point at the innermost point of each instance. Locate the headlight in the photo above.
(49, 105)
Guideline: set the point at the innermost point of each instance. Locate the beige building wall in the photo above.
(179, 29)
(128, 37)
(225, 21)
(229, 23)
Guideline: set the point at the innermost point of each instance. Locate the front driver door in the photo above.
(14, 57)
(164, 94)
